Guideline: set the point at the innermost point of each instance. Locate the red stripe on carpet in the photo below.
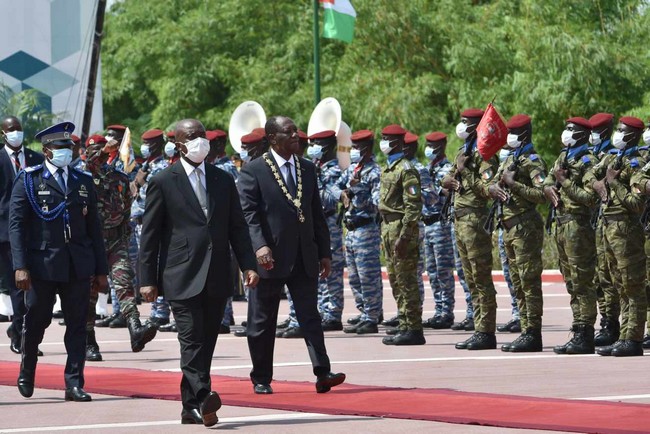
(440, 405)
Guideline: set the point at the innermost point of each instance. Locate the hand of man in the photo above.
(600, 188)
(401, 246)
(450, 183)
(110, 147)
(149, 293)
(612, 174)
(23, 280)
(141, 178)
(561, 175)
(265, 257)
(354, 181)
(251, 278)
(101, 282)
(462, 162)
(552, 194)
(325, 267)
(496, 192)
(508, 177)
(345, 199)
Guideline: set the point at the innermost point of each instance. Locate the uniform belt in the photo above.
(566, 218)
(431, 219)
(330, 213)
(462, 212)
(391, 217)
(607, 219)
(519, 218)
(359, 222)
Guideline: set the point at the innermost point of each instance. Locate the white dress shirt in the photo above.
(189, 169)
(21, 157)
(52, 169)
(283, 169)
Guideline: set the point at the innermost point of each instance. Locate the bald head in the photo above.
(11, 132)
(188, 129)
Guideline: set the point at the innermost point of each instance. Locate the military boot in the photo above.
(463, 345)
(517, 341)
(583, 341)
(646, 341)
(608, 334)
(561, 349)
(92, 348)
(392, 322)
(628, 349)
(467, 324)
(483, 341)
(408, 337)
(140, 334)
(530, 342)
(607, 350)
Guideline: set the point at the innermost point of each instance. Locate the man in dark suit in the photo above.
(14, 157)
(291, 240)
(56, 246)
(192, 214)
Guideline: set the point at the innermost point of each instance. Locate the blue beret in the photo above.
(62, 131)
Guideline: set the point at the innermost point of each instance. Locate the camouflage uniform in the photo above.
(363, 240)
(400, 207)
(624, 241)
(429, 197)
(644, 151)
(505, 266)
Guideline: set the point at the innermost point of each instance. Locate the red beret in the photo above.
(600, 119)
(220, 133)
(302, 135)
(210, 135)
(436, 136)
(410, 138)
(633, 122)
(579, 121)
(171, 134)
(472, 113)
(259, 131)
(95, 138)
(75, 138)
(116, 127)
(518, 121)
(361, 135)
(323, 135)
(152, 134)
(393, 130)
(251, 138)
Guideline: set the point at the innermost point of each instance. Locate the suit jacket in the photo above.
(273, 220)
(181, 251)
(7, 178)
(40, 245)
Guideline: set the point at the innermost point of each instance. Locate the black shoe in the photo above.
(646, 342)
(25, 382)
(392, 322)
(118, 323)
(512, 326)
(14, 345)
(241, 333)
(366, 327)
(561, 349)
(58, 314)
(77, 394)
(293, 333)
(529, 342)
(325, 383)
(628, 349)
(463, 345)
(517, 341)
(351, 328)
(483, 341)
(582, 341)
(158, 322)
(140, 334)
(467, 324)
(244, 324)
(263, 389)
(607, 350)
(170, 327)
(431, 321)
(354, 320)
(407, 337)
(393, 331)
(443, 322)
(224, 329)
(4, 318)
(105, 322)
(284, 324)
(209, 407)
(189, 417)
(608, 334)
(332, 325)
(92, 348)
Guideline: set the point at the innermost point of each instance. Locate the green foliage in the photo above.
(27, 106)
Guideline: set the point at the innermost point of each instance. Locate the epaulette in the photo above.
(634, 163)
(533, 157)
(586, 160)
(82, 172)
(31, 169)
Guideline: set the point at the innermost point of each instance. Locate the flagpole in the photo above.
(316, 56)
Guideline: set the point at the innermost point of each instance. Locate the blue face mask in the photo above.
(355, 155)
(61, 157)
(170, 149)
(145, 151)
(428, 152)
(243, 154)
(315, 152)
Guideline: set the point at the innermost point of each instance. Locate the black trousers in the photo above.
(197, 320)
(74, 304)
(263, 304)
(17, 297)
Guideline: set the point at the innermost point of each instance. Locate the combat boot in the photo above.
(92, 348)
(646, 342)
(443, 322)
(393, 331)
(628, 348)
(607, 350)
(483, 341)
(366, 327)
(517, 341)
(463, 345)
(140, 334)
(512, 326)
(392, 322)
(531, 342)
(408, 337)
(561, 349)
(608, 334)
(467, 324)
(583, 341)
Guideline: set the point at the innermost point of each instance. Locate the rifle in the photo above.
(618, 164)
(445, 211)
(497, 205)
(552, 210)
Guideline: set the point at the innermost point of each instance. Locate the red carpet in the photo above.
(424, 404)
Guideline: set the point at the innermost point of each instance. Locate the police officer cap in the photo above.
(322, 135)
(393, 130)
(302, 135)
(633, 122)
(116, 127)
(62, 131)
(435, 136)
(251, 138)
(152, 134)
(518, 121)
(361, 135)
(410, 138)
(472, 113)
(96, 139)
(580, 121)
(600, 119)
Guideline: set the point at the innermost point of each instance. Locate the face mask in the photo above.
(429, 154)
(145, 151)
(14, 138)
(618, 140)
(243, 154)
(197, 149)
(461, 130)
(567, 138)
(355, 155)
(109, 138)
(503, 154)
(646, 137)
(61, 157)
(170, 149)
(513, 141)
(595, 139)
(315, 152)
(385, 146)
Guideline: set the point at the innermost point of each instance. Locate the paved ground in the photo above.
(363, 358)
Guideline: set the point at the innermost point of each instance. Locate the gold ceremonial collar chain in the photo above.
(298, 199)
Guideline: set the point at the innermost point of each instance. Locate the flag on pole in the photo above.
(491, 133)
(339, 20)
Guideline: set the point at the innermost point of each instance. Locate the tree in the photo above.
(27, 106)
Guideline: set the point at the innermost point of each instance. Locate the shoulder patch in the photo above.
(634, 163)
(31, 169)
(586, 160)
(533, 157)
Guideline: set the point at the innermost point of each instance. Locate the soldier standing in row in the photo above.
(645, 221)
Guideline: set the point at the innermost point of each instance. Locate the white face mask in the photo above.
(145, 151)
(355, 155)
(503, 154)
(315, 152)
(14, 138)
(461, 130)
(197, 149)
(430, 154)
(170, 149)
(385, 147)
(243, 154)
(595, 139)
(61, 157)
(567, 138)
(513, 141)
(646, 136)
(618, 140)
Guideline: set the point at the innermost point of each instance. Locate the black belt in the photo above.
(520, 218)
(607, 219)
(391, 217)
(566, 218)
(431, 219)
(359, 222)
(462, 212)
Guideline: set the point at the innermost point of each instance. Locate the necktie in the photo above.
(200, 192)
(17, 161)
(60, 179)
(291, 184)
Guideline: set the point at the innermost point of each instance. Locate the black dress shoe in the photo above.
(92, 348)
(512, 326)
(224, 329)
(354, 320)
(58, 314)
(25, 383)
(263, 389)
(293, 333)
(170, 327)
(332, 326)
(77, 394)
(392, 322)
(467, 324)
(241, 333)
(4, 318)
(483, 341)
(326, 382)
(628, 349)
(209, 407)
(244, 324)
(190, 417)
(14, 347)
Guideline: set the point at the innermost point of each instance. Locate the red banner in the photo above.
(491, 133)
